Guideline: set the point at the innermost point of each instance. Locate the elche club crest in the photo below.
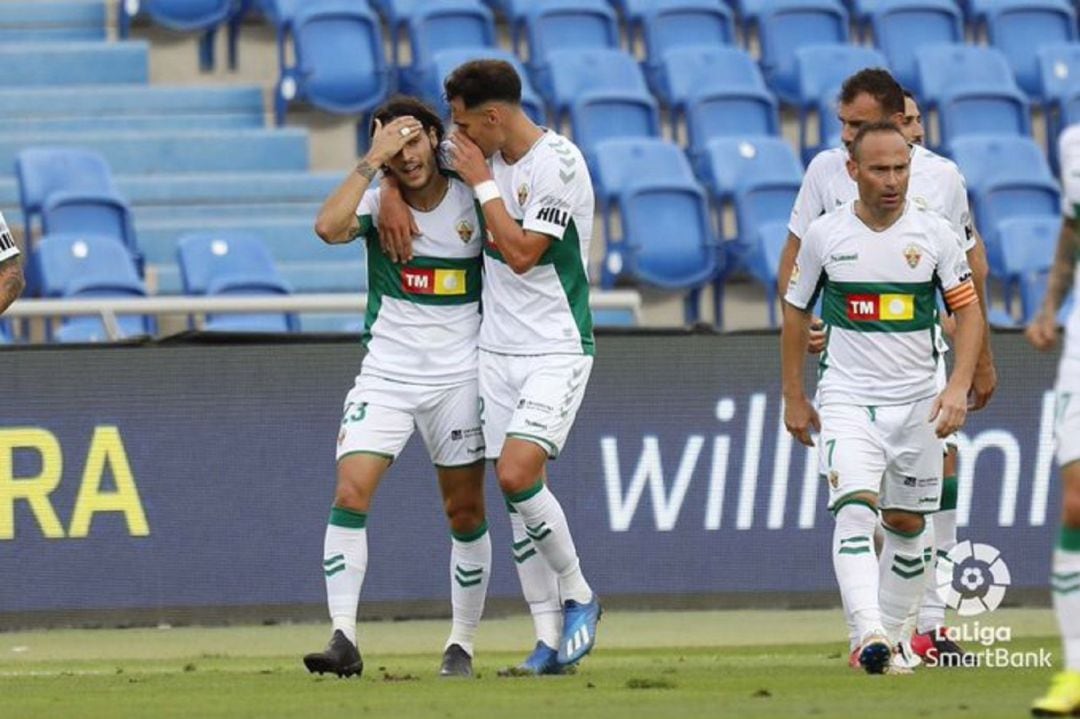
(522, 193)
(972, 578)
(913, 255)
(465, 230)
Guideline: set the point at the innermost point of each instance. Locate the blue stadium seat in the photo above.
(1024, 250)
(1007, 177)
(445, 61)
(616, 165)
(81, 265)
(45, 171)
(990, 111)
(339, 62)
(902, 27)
(682, 260)
(670, 24)
(184, 16)
(787, 25)
(574, 73)
(686, 72)
(223, 263)
(947, 68)
(56, 21)
(737, 112)
(445, 25)
(821, 70)
(1059, 86)
(1033, 292)
(599, 116)
(74, 63)
(564, 25)
(1019, 27)
(760, 177)
(766, 244)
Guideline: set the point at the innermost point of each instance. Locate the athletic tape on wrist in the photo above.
(486, 191)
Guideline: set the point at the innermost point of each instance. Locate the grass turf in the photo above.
(677, 664)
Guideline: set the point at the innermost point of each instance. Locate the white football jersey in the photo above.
(936, 184)
(544, 310)
(8, 248)
(423, 317)
(879, 303)
(1069, 154)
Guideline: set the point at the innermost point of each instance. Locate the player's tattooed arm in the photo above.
(1042, 332)
(11, 282)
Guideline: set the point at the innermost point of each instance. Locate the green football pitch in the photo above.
(654, 664)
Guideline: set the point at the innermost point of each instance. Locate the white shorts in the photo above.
(534, 398)
(1067, 427)
(890, 451)
(380, 414)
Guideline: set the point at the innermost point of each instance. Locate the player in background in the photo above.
(420, 370)
(912, 125)
(1063, 699)
(11, 275)
(536, 339)
(878, 260)
(872, 95)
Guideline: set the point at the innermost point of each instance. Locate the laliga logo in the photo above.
(972, 578)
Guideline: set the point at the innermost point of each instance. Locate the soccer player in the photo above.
(872, 95)
(420, 370)
(536, 338)
(1063, 699)
(11, 276)
(878, 260)
(912, 126)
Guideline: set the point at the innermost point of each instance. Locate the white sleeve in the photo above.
(957, 209)
(558, 187)
(368, 210)
(1069, 157)
(808, 203)
(953, 270)
(806, 276)
(8, 248)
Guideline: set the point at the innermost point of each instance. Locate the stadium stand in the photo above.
(56, 21)
(1019, 27)
(204, 16)
(902, 27)
(786, 25)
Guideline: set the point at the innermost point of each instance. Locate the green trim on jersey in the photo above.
(835, 305)
(384, 280)
(565, 255)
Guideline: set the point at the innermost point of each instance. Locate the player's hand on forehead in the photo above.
(387, 140)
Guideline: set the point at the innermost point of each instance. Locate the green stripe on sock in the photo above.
(1062, 589)
(468, 573)
(854, 550)
(1069, 539)
(341, 517)
(519, 558)
(538, 532)
(335, 570)
(855, 540)
(509, 507)
(473, 535)
(333, 560)
(527, 493)
(949, 489)
(1064, 576)
(465, 584)
(907, 575)
(908, 562)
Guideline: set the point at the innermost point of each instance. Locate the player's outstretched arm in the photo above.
(800, 417)
(337, 220)
(521, 248)
(12, 282)
(950, 407)
(1042, 332)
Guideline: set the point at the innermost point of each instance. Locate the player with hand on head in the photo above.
(1063, 699)
(878, 260)
(420, 370)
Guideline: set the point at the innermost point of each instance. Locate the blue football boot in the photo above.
(579, 630)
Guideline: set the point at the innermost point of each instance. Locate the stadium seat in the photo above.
(670, 24)
(445, 61)
(686, 72)
(575, 73)
(737, 112)
(760, 178)
(564, 25)
(184, 16)
(1024, 249)
(339, 65)
(1059, 83)
(445, 25)
(946, 68)
(821, 70)
(599, 116)
(226, 263)
(1019, 27)
(990, 111)
(81, 265)
(786, 25)
(902, 27)
(616, 165)
(1033, 292)
(683, 260)
(765, 245)
(44, 171)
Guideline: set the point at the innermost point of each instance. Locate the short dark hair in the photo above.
(872, 128)
(480, 81)
(878, 84)
(909, 93)
(402, 106)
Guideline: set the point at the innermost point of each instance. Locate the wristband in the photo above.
(487, 191)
